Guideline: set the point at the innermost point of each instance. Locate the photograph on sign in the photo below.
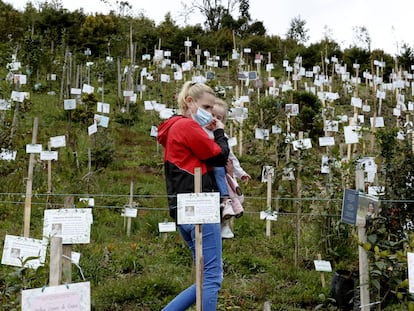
(198, 208)
(368, 209)
(73, 225)
(17, 249)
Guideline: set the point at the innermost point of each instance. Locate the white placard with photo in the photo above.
(262, 134)
(198, 208)
(4, 105)
(351, 134)
(331, 126)
(48, 155)
(88, 89)
(8, 155)
(33, 148)
(178, 75)
(268, 215)
(17, 249)
(292, 109)
(325, 169)
(58, 141)
(19, 96)
(103, 107)
(379, 121)
(167, 227)
(101, 120)
(322, 265)
(302, 144)
(268, 171)
(75, 257)
(366, 108)
(276, 129)
(72, 224)
(356, 102)
(326, 141)
(130, 212)
(92, 129)
(75, 91)
(410, 264)
(69, 104)
(74, 296)
(89, 201)
(232, 141)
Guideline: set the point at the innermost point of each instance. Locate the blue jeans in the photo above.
(213, 268)
(220, 176)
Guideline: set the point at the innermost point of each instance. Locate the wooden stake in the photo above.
(55, 269)
(66, 261)
(199, 247)
(322, 274)
(29, 184)
(131, 202)
(363, 256)
(269, 203)
(299, 204)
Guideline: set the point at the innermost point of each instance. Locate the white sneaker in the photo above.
(228, 209)
(226, 232)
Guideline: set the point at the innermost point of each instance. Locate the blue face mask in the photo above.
(202, 117)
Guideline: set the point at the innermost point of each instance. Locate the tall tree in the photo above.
(297, 30)
(215, 10)
(361, 37)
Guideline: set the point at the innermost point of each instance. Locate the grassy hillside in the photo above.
(145, 270)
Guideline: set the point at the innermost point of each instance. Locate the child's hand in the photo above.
(245, 178)
(215, 124)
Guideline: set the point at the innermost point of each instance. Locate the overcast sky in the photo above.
(388, 22)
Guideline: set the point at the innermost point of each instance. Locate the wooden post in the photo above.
(363, 256)
(199, 247)
(131, 203)
(269, 203)
(66, 261)
(55, 269)
(322, 274)
(299, 204)
(29, 184)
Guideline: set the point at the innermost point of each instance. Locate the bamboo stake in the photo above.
(29, 184)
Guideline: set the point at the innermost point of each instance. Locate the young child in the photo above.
(225, 178)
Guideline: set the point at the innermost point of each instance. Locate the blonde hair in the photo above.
(195, 90)
(221, 103)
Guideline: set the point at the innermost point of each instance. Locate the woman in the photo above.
(187, 146)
